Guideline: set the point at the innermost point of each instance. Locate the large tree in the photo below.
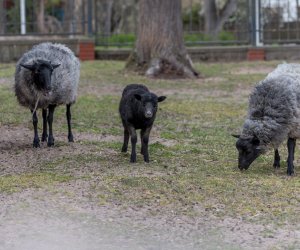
(215, 17)
(159, 48)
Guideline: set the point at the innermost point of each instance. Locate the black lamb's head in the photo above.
(41, 73)
(149, 103)
(249, 149)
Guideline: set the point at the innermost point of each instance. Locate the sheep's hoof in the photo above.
(50, 142)
(36, 143)
(44, 137)
(70, 138)
(276, 165)
(124, 150)
(132, 159)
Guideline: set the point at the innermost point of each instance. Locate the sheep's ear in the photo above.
(161, 98)
(55, 65)
(236, 136)
(138, 97)
(28, 66)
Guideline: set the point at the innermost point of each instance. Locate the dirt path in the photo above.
(44, 219)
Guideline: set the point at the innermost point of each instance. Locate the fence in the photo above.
(52, 17)
(114, 22)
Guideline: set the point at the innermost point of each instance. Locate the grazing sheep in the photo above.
(138, 108)
(273, 116)
(45, 77)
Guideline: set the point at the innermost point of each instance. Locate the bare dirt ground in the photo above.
(67, 216)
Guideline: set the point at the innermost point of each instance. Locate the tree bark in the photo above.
(41, 16)
(214, 18)
(2, 17)
(159, 49)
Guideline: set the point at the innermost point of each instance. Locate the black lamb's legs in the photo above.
(36, 140)
(68, 113)
(291, 143)
(126, 139)
(133, 136)
(276, 163)
(50, 121)
(145, 140)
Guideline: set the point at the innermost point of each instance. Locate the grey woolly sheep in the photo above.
(138, 107)
(273, 116)
(45, 77)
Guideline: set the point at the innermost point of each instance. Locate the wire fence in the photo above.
(113, 23)
(52, 17)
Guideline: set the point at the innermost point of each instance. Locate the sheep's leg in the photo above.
(50, 121)
(276, 163)
(291, 143)
(36, 140)
(126, 139)
(145, 140)
(133, 136)
(45, 134)
(68, 113)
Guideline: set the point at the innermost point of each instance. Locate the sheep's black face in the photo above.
(41, 73)
(149, 103)
(249, 150)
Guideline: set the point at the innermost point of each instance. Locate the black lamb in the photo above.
(138, 107)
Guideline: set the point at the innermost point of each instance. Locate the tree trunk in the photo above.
(214, 18)
(40, 16)
(108, 16)
(160, 49)
(2, 17)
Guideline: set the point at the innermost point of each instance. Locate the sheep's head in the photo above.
(249, 149)
(41, 74)
(149, 103)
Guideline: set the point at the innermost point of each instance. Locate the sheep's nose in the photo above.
(148, 114)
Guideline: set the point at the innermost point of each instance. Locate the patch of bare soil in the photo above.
(100, 89)
(71, 218)
(253, 70)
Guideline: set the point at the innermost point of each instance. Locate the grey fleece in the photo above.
(274, 107)
(64, 79)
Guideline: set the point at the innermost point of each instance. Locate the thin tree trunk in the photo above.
(2, 17)
(214, 19)
(160, 47)
(41, 16)
(108, 16)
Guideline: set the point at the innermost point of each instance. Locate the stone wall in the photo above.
(12, 48)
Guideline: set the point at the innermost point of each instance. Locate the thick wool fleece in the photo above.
(274, 107)
(64, 79)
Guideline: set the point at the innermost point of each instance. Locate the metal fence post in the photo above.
(255, 7)
(90, 18)
(23, 16)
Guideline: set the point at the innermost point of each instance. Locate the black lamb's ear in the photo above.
(54, 66)
(161, 98)
(236, 136)
(28, 66)
(138, 97)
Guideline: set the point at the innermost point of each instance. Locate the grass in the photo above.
(193, 159)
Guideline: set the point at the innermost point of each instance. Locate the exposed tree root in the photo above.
(170, 67)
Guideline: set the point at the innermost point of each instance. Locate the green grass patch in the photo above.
(16, 183)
